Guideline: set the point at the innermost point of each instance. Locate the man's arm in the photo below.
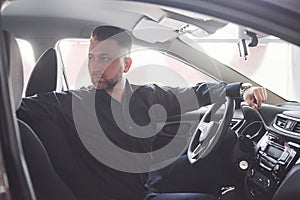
(44, 106)
(203, 94)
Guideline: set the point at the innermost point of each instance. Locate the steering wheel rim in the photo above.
(210, 131)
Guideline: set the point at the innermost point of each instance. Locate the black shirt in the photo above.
(101, 148)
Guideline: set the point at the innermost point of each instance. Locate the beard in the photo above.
(105, 83)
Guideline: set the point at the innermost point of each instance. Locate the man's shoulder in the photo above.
(48, 97)
(56, 99)
(48, 105)
(57, 95)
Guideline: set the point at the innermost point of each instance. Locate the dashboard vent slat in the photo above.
(281, 122)
(297, 127)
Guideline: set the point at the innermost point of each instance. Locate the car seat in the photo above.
(46, 183)
(43, 78)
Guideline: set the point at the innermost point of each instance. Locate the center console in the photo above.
(274, 158)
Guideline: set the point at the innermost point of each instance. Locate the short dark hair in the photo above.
(121, 36)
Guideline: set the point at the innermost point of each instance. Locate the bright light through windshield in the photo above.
(272, 63)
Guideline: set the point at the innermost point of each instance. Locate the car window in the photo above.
(267, 63)
(73, 53)
(148, 66)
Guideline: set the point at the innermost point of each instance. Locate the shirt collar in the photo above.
(127, 94)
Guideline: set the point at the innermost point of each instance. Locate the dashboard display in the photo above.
(274, 152)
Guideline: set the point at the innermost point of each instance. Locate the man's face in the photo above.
(106, 63)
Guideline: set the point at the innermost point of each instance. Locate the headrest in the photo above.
(15, 67)
(44, 75)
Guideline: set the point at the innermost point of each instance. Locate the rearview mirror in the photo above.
(243, 48)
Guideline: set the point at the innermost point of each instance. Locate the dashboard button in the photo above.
(284, 156)
(276, 168)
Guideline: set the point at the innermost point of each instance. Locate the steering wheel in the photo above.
(210, 131)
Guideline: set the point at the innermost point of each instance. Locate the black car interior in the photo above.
(265, 156)
(44, 75)
(272, 155)
(274, 167)
(46, 183)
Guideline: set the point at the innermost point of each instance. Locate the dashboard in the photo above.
(274, 173)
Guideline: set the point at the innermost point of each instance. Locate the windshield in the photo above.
(272, 63)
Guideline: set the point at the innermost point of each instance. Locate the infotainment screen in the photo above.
(274, 152)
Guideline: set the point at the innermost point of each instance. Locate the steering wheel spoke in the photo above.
(196, 150)
(210, 132)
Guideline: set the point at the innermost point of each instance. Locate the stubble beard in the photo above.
(108, 84)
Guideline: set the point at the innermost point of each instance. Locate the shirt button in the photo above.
(130, 127)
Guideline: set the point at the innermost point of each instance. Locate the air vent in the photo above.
(281, 122)
(288, 123)
(297, 128)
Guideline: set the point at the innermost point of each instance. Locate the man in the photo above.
(102, 140)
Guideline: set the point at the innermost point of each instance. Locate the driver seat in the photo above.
(44, 75)
(46, 183)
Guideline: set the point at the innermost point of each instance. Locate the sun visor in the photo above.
(168, 28)
(152, 31)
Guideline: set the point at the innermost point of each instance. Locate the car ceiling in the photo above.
(33, 20)
(77, 15)
(43, 24)
(63, 18)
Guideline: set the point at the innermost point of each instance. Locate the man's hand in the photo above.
(255, 96)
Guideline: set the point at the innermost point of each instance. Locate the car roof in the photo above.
(64, 18)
